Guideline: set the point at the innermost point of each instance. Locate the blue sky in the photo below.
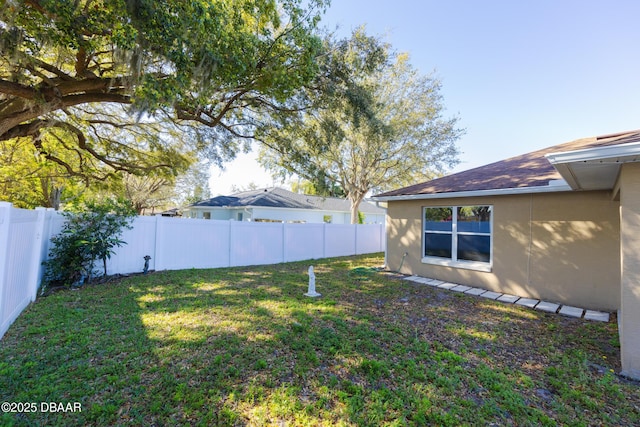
(520, 75)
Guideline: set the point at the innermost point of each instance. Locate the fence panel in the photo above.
(191, 243)
(255, 243)
(369, 239)
(340, 240)
(5, 228)
(140, 241)
(53, 223)
(303, 241)
(21, 237)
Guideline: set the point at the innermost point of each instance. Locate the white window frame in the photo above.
(453, 261)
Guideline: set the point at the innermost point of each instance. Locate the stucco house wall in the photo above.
(629, 313)
(565, 221)
(562, 247)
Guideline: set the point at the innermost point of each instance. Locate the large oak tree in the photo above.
(137, 85)
(377, 124)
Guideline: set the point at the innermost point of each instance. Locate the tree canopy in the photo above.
(136, 85)
(377, 124)
(28, 180)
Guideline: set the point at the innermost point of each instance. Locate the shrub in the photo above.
(90, 233)
(361, 217)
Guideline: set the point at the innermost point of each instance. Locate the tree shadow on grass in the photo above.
(244, 346)
(82, 346)
(156, 349)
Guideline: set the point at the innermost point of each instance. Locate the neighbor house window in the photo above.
(458, 236)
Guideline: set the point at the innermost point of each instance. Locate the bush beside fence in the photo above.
(172, 244)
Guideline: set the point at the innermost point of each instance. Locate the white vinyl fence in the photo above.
(172, 244)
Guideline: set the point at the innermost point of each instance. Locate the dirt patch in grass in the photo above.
(244, 346)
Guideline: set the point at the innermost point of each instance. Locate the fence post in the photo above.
(36, 253)
(355, 233)
(324, 240)
(157, 261)
(5, 228)
(284, 242)
(232, 235)
(229, 242)
(47, 234)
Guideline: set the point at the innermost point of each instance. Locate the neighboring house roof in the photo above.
(170, 212)
(528, 172)
(280, 198)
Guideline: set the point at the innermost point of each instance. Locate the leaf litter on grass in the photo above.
(243, 346)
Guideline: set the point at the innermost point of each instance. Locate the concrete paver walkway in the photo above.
(546, 306)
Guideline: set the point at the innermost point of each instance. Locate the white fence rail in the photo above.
(172, 244)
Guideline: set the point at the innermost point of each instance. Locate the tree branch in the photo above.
(23, 130)
(189, 114)
(85, 98)
(17, 89)
(50, 68)
(10, 124)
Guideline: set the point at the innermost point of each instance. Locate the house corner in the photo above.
(629, 313)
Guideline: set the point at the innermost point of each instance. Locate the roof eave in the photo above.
(594, 168)
(621, 151)
(556, 187)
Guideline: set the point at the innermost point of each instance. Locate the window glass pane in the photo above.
(437, 219)
(437, 245)
(474, 219)
(474, 248)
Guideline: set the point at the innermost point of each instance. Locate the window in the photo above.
(458, 236)
(327, 219)
(206, 215)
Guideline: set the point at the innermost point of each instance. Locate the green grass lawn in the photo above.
(244, 346)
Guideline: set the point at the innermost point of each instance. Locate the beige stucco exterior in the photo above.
(629, 313)
(562, 247)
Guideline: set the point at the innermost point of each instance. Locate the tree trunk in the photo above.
(355, 205)
(55, 197)
(52, 195)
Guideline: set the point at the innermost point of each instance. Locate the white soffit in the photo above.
(554, 186)
(594, 168)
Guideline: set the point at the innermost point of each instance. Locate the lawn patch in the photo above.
(242, 346)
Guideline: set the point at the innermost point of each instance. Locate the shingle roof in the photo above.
(527, 170)
(280, 198)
